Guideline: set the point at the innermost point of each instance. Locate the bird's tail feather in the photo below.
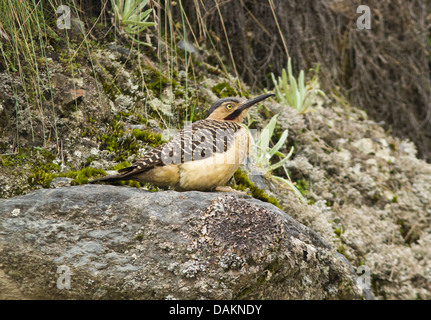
(113, 178)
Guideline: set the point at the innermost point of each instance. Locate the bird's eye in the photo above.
(228, 106)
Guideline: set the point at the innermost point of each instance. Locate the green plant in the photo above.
(131, 17)
(296, 94)
(264, 153)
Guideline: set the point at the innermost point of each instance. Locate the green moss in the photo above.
(151, 188)
(121, 165)
(44, 170)
(110, 140)
(179, 93)
(342, 249)
(151, 138)
(6, 161)
(107, 75)
(133, 184)
(126, 143)
(36, 163)
(129, 183)
(89, 160)
(302, 186)
(242, 183)
(154, 79)
(223, 90)
(111, 89)
(40, 177)
(211, 69)
(70, 63)
(87, 131)
(8, 58)
(81, 176)
(44, 178)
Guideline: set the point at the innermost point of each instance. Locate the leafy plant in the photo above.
(264, 153)
(296, 94)
(131, 17)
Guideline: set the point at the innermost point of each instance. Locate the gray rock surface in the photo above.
(125, 243)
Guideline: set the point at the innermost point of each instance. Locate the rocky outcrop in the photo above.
(106, 242)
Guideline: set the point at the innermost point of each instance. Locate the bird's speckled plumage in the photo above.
(202, 156)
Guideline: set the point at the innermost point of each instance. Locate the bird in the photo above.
(203, 156)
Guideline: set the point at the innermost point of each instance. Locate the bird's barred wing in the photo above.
(197, 141)
(149, 161)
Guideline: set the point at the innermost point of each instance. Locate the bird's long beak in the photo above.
(253, 101)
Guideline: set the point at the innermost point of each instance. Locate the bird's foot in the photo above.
(229, 189)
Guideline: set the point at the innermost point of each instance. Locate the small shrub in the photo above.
(131, 17)
(296, 94)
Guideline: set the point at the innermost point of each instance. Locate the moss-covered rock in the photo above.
(223, 90)
(243, 183)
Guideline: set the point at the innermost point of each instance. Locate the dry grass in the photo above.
(384, 70)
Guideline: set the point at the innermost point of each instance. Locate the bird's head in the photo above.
(233, 109)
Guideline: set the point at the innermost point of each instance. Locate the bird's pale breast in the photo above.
(216, 170)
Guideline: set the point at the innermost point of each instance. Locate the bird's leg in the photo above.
(229, 189)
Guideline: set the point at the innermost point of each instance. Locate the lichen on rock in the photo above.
(125, 243)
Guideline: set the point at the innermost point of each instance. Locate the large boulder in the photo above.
(111, 242)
